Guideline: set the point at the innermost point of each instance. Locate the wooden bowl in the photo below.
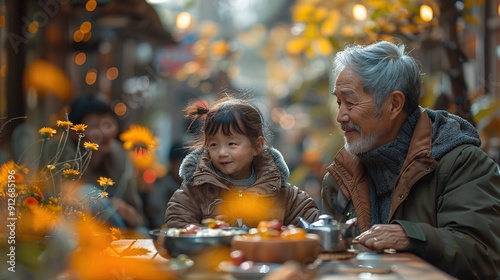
(277, 250)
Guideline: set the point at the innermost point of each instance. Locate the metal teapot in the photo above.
(334, 236)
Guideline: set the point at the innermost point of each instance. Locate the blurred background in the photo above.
(148, 58)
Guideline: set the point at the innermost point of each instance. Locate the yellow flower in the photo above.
(79, 127)
(138, 136)
(53, 200)
(51, 166)
(104, 194)
(37, 193)
(47, 132)
(64, 124)
(91, 146)
(71, 174)
(105, 182)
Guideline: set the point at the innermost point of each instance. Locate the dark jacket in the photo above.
(205, 194)
(450, 207)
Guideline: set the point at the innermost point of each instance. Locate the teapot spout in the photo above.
(303, 223)
(347, 228)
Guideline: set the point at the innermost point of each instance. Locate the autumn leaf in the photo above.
(136, 251)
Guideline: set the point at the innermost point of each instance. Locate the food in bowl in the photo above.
(171, 242)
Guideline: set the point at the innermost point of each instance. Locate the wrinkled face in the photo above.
(364, 130)
(232, 154)
(101, 129)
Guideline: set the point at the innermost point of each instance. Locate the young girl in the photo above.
(233, 174)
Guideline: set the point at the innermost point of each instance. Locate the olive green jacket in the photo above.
(449, 208)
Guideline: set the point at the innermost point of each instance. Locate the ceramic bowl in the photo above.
(277, 250)
(173, 246)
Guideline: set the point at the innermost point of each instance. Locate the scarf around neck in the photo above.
(383, 166)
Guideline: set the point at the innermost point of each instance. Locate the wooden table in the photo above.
(401, 265)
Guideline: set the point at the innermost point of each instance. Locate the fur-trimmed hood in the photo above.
(262, 164)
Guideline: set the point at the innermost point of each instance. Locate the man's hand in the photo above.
(380, 237)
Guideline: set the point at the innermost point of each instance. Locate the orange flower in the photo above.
(30, 202)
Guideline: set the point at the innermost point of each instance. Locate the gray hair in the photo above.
(384, 67)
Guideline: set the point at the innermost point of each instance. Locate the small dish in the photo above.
(256, 271)
(177, 265)
(382, 269)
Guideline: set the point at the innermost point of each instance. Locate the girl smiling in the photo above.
(233, 174)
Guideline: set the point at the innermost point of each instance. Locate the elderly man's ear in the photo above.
(397, 101)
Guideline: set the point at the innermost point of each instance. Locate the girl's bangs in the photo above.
(226, 121)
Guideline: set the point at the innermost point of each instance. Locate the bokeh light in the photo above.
(85, 27)
(149, 176)
(91, 77)
(80, 58)
(78, 36)
(183, 20)
(33, 27)
(91, 5)
(359, 12)
(112, 73)
(426, 13)
(120, 109)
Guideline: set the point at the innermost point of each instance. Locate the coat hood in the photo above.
(450, 131)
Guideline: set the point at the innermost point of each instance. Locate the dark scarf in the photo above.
(383, 166)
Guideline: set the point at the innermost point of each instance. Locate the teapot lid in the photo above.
(325, 220)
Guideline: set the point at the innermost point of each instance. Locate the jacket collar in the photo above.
(348, 171)
(270, 167)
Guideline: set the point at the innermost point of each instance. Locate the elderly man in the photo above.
(415, 178)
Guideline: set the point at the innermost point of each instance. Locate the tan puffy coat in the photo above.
(205, 194)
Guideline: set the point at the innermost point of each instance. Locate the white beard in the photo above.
(362, 146)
